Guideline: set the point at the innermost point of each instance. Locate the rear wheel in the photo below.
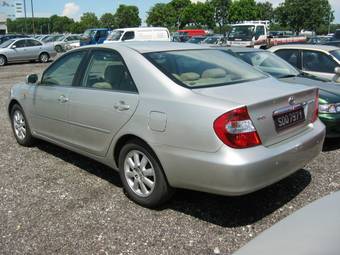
(21, 129)
(142, 176)
(58, 48)
(44, 57)
(3, 60)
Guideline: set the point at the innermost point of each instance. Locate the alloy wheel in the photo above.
(19, 125)
(139, 173)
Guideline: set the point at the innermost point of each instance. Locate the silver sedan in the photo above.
(169, 115)
(25, 49)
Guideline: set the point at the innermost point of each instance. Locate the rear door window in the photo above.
(317, 61)
(290, 55)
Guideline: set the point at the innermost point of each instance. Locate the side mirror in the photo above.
(13, 47)
(337, 70)
(31, 79)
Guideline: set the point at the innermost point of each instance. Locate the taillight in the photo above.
(316, 107)
(236, 129)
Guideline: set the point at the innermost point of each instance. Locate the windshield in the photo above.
(89, 32)
(211, 40)
(242, 31)
(268, 63)
(196, 39)
(115, 35)
(336, 54)
(203, 68)
(7, 43)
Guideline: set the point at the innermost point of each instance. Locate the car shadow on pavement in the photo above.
(241, 210)
(331, 144)
(91, 166)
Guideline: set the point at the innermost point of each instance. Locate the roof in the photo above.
(141, 28)
(243, 49)
(146, 47)
(305, 47)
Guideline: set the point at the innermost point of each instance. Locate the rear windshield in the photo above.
(203, 68)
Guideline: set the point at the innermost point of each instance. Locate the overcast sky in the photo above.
(74, 8)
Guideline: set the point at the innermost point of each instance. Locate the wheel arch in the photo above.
(11, 104)
(6, 59)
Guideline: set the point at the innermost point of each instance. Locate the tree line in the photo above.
(212, 14)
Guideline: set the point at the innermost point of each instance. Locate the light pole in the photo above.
(32, 17)
(25, 16)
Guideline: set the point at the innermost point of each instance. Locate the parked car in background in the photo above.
(268, 62)
(319, 40)
(4, 38)
(336, 35)
(318, 60)
(179, 37)
(94, 36)
(192, 32)
(139, 34)
(19, 50)
(172, 115)
(51, 38)
(333, 43)
(313, 229)
(214, 40)
(196, 39)
(67, 42)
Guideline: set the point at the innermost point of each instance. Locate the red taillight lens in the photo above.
(316, 107)
(236, 129)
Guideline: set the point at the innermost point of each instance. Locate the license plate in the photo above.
(287, 118)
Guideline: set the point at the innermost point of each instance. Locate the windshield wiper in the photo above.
(287, 76)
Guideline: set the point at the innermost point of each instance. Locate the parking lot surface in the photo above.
(56, 201)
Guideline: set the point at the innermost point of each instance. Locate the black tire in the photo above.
(58, 48)
(44, 57)
(28, 140)
(3, 60)
(161, 193)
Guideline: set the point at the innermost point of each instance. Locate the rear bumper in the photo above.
(332, 122)
(235, 172)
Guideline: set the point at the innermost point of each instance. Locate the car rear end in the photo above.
(266, 131)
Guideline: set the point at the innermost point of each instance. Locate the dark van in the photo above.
(94, 36)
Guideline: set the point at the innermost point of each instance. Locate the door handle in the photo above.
(63, 99)
(121, 106)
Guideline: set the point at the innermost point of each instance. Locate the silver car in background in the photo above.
(66, 43)
(26, 49)
(171, 115)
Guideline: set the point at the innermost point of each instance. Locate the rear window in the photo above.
(203, 68)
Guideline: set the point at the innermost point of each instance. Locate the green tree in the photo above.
(307, 14)
(89, 20)
(127, 16)
(60, 24)
(221, 14)
(243, 10)
(108, 20)
(161, 15)
(199, 15)
(178, 7)
(264, 11)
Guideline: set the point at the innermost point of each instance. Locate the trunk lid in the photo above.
(263, 98)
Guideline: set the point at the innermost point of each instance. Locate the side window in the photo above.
(291, 56)
(259, 31)
(32, 43)
(316, 61)
(63, 71)
(20, 44)
(106, 70)
(128, 36)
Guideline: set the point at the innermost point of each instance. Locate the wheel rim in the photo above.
(2, 61)
(44, 58)
(19, 125)
(139, 173)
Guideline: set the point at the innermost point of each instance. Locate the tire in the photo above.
(44, 57)
(19, 122)
(3, 60)
(58, 48)
(134, 179)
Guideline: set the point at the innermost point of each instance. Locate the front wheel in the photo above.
(142, 176)
(44, 57)
(3, 60)
(21, 129)
(58, 48)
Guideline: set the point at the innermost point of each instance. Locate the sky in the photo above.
(74, 8)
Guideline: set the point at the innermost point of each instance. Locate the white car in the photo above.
(318, 60)
(139, 34)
